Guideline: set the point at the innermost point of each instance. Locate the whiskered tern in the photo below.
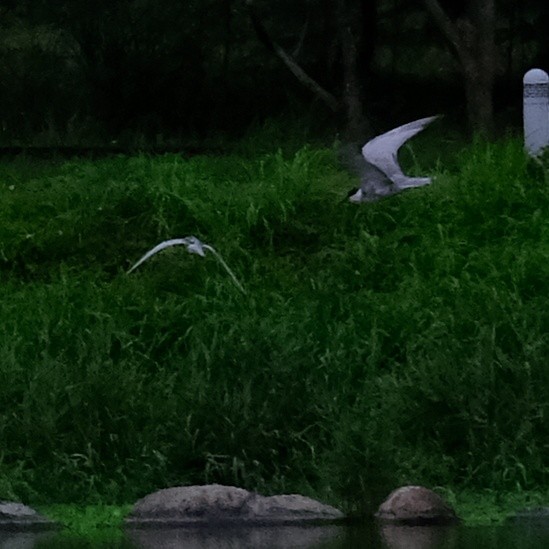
(380, 172)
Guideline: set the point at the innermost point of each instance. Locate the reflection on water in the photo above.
(12, 540)
(238, 538)
(419, 537)
(534, 535)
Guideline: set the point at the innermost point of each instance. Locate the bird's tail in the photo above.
(411, 182)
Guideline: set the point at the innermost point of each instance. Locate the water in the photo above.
(516, 536)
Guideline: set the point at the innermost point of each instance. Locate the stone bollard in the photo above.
(536, 111)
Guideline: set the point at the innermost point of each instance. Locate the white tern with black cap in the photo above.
(381, 174)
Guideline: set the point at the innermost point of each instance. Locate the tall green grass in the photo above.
(403, 341)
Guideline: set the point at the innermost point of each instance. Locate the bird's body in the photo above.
(381, 174)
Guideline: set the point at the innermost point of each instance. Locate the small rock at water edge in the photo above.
(415, 505)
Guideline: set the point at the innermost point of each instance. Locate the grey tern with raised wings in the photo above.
(380, 172)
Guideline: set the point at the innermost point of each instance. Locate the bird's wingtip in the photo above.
(429, 119)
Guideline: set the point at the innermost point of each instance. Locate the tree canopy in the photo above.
(77, 68)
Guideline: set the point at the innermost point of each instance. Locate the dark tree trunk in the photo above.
(480, 66)
(227, 10)
(350, 26)
(542, 23)
(368, 37)
(479, 87)
(472, 38)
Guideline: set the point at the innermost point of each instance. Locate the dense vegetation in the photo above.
(401, 341)
(79, 73)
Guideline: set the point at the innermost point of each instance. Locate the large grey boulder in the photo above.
(415, 505)
(16, 517)
(215, 504)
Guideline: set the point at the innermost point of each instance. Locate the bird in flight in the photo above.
(380, 172)
(193, 246)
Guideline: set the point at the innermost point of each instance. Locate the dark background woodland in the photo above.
(78, 72)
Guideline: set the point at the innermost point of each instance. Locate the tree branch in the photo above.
(287, 59)
(445, 24)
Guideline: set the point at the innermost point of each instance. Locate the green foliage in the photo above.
(492, 506)
(400, 341)
(90, 522)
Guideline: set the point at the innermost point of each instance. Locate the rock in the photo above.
(415, 505)
(215, 504)
(16, 517)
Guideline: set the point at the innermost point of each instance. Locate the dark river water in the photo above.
(515, 536)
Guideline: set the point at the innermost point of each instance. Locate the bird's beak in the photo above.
(355, 196)
(349, 194)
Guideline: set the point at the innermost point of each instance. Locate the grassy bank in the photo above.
(398, 342)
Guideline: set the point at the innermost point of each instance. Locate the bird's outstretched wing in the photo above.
(192, 244)
(382, 151)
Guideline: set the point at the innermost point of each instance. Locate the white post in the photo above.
(536, 111)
